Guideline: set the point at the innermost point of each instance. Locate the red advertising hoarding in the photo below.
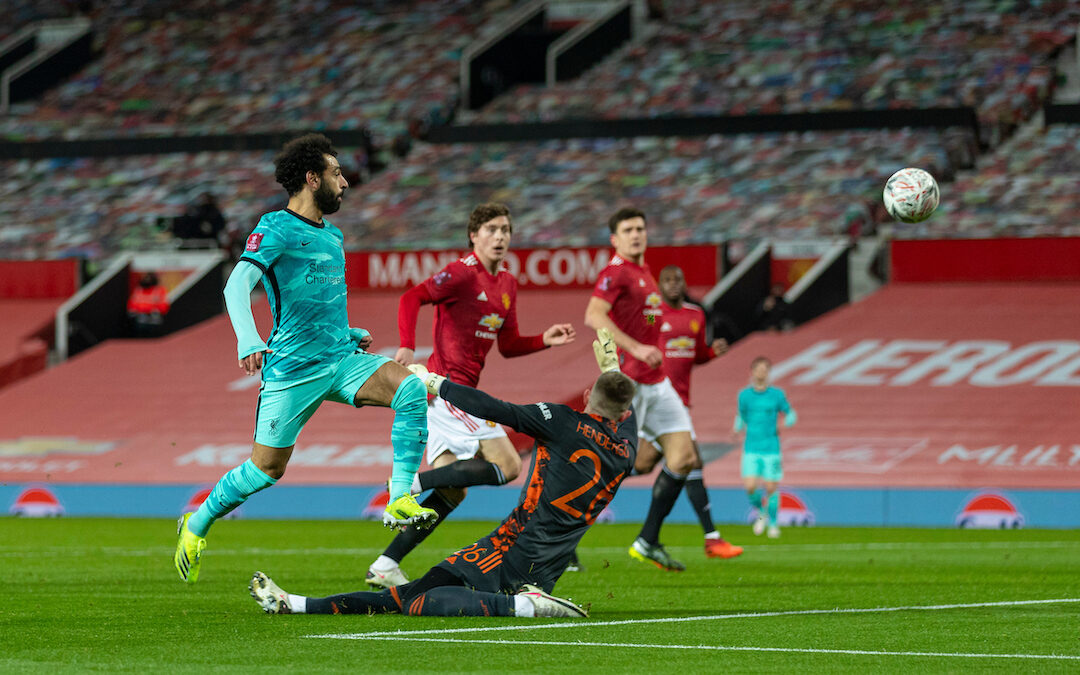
(540, 268)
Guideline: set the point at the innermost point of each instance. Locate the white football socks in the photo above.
(524, 607)
(297, 603)
(384, 564)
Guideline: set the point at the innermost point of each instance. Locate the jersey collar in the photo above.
(309, 221)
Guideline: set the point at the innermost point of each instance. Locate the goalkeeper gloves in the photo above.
(604, 348)
(430, 379)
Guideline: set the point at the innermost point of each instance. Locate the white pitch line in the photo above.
(726, 648)
(578, 625)
(15, 551)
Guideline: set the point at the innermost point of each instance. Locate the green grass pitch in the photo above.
(102, 595)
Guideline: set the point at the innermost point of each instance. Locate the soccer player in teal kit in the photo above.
(312, 354)
(759, 406)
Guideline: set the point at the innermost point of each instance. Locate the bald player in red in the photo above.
(627, 301)
(684, 345)
(475, 301)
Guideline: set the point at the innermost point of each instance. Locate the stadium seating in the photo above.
(1027, 188)
(694, 189)
(217, 67)
(748, 57)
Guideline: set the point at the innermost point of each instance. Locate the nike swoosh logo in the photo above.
(304, 243)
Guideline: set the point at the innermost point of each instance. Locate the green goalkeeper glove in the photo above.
(430, 379)
(604, 348)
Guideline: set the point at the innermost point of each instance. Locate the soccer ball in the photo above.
(911, 195)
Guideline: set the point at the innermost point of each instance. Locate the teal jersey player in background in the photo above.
(312, 354)
(759, 407)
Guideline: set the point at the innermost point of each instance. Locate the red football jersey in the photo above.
(473, 310)
(682, 339)
(635, 309)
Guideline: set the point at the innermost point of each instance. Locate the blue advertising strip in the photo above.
(817, 506)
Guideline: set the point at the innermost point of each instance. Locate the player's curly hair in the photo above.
(485, 212)
(625, 213)
(611, 394)
(297, 157)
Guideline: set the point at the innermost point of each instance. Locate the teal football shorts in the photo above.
(285, 407)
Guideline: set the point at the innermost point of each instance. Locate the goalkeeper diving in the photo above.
(513, 570)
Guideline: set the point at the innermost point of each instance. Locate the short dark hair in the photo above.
(297, 157)
(611, 394)
(760, 359)
(485, 212)
(625, 213)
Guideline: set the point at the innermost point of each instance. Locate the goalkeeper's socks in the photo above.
(699, 499)
(410, 537)
(231, 491)
(362, 602)
(665, 491)
(461, 601)
(408, 434)
(774, 507)
(462, 473)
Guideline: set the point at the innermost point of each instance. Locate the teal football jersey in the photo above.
(759, 410)
(303, 265)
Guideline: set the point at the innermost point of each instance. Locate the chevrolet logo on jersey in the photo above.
(652, 308)
(491, 322)
(681, 347)
(31, 446)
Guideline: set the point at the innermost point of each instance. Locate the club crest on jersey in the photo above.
(652, 308)
(492, 323)
(694, 326)
(506, 300)
(254, 240)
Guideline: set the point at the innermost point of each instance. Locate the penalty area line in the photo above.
(680, 619)
(728, 648)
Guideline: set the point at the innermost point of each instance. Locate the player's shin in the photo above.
(665, 491)
(463, 473)
(361, 602)
(231, 491)
(699, 499)
(773, 507)
(460, 601)
(408, 434)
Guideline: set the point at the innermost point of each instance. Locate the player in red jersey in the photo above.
(475, 307)
(682, 340)
(627, 302)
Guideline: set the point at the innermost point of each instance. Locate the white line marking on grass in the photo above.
(17, 551)
(578, 625)
(726, 648)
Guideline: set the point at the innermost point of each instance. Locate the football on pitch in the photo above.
(911, 195)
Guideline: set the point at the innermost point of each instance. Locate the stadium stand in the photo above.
(694, 189)
(227, 67)
(1028, 188)
(749, 57)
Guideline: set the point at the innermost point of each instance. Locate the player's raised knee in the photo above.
(411, 396)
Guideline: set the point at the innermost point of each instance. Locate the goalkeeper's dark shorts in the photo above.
(482, 567)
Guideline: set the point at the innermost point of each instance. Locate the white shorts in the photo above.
(453, 430)
(660, 411)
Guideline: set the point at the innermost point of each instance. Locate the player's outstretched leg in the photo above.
(715, 545)
(548, 605)
(386, 571)
(269, 595)
(408, 435)
(231, 491)
(462, 473)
